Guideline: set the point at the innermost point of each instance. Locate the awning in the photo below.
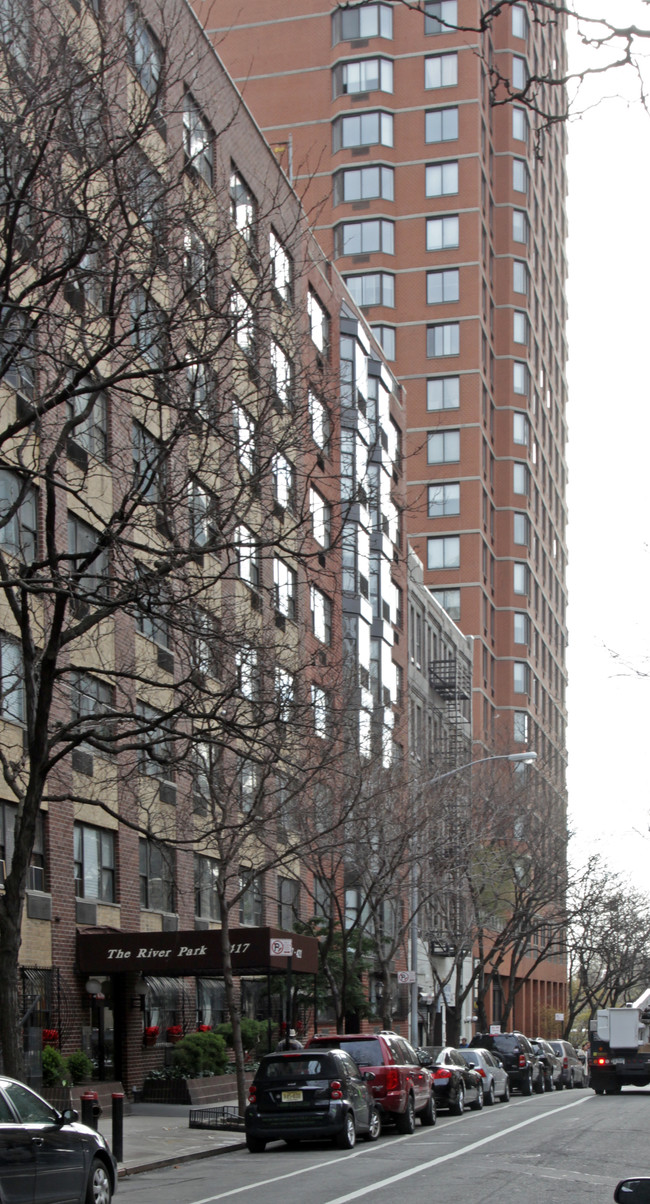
(190, 952)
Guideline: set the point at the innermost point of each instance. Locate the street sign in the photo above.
(406, 976)
(281, 948)
(494, 1029)
(559, 1015)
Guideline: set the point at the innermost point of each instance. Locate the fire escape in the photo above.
(451, 681)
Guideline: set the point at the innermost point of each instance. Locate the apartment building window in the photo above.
(443, 447)
(520, 327)
(250, 899)
(89, 563)
(520, 377)
(36, 868)
(440, 15)
(321, 518)
(520, 627)
(243, 207)
(145, 52)
(442, 232)
(362, 75)
(285, 693)
(520, 428)
(248, 775)
(519, 124)
(156, 752)
(520, 578)
(320, 421)
(365, 237)
(519, 226)
(92, 704)
(520, 677)
(444, 499)
(284, 481)
(147, 467)
(17, 354)
(94, 863)
(12, 679)
(520, 727)
(197, 270)
(15, 30)
(443, 393)
(362, 129)
(321, 615)
(248, 672)
(282, 374)
(519, 277)
(281, 267)
(243, 321)
(520, 528)
(449, 599)
(288, 902)
(248, 556)
(441, 71)
(519, 21)
(443, 552)
(443, 286)
(285, 588)
(319, 322)
(372, 288)
(362, 21)
(245, 439)
(322, 710)
(443, 339)
(206, 897)
(520, 477)
(18, 516)
(87, 415)
(441, 125)
(519, 73)
(148, 329)
(364, 184)
(441, 179)
(198, 140)
(385, 336)
(520, 176)
(156, 877)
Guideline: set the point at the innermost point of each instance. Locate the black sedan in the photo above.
(47, 1156)
(300, 1095)
(455, 1084)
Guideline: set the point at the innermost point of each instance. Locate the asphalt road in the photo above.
(571, 1146)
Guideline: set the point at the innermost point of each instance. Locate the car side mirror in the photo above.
(633, 1191)
(68, 1116)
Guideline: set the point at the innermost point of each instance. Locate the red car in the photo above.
(401, 1087)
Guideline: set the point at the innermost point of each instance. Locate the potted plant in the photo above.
(150, 1034)
(204, 1028)
(174, 1033)
(50, 1036)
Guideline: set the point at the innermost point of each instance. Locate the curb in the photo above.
(124, 1172)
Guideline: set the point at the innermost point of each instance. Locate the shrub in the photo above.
(200, 1054)
(80, 1067)
(254, 1035)
(54, 1067)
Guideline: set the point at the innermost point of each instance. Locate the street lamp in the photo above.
(521, 758)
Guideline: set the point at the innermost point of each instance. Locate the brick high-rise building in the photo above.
(445, 213)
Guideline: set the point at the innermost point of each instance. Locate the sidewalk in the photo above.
(159, 1135)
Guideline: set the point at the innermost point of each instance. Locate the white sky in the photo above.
(609, 470)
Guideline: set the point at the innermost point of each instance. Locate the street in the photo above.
(538, 1150)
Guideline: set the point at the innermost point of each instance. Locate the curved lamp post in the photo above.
(525, 758)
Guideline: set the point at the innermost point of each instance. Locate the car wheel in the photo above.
(428, 1114)
(527, 1085)
(560, 1085)
(550, 1085)
(458, 1108)
(255, 1145)
(505, 1095)
(540, 1085)
(615, 1090)
(569, 1085)
(406, 1120)
(375, 1126)
(599, 1090)
(98, 1190)
(346, 1139)
(478, 1102)
(490, 1097)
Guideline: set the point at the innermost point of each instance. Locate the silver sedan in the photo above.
(496, 1084)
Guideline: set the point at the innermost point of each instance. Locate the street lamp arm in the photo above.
(526, 758)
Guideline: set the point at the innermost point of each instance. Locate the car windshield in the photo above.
(308, 1066)
(471, 1056)
(365, 1052)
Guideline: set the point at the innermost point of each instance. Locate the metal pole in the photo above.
(414, 957)
(118, 1126)
(287, 1039)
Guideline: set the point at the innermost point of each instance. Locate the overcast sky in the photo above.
(609, 466)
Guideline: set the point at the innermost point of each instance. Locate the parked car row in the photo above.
(537, 1064)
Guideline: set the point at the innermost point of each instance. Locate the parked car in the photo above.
(518, 1056)
(573, 1071)
(551, 1062)
(49, 1156)
(455, 1082)
(298, 1095)
(633, 1191)
(401, 1087)
(496, 1084)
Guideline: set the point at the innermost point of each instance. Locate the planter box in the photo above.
(173, 1092)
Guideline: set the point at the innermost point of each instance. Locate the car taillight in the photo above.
(565, 1062)
(336, 1091)
(601, 1061)
(442, 1073)
(522, 1061)
(392, 1078)
(252, 1094)
(480, 1070)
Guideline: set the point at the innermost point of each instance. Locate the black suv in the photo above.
(518, 1057)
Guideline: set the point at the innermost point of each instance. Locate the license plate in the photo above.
(291, 1097)
(618, 1061)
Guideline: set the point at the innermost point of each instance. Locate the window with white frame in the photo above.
(321, 704)
(520, 578)
(198, 140)
(520, 377)
(148, 329)
(12, 679)
(285, 692)
(385, 336)
(321, 518)
(321, 615)
(246, 667)
(365, 237)
(320, 422)
(156, 877)
(147, 464)
(362, 75)
(89, 562)
(520, 727)
(243, 321)
(156, 751)
(449, 599)
(443, 499)
(364, 184)
(441, 125)
(206, 896)
(245, 437)
(443, 339)
(520, 327)
(18, 516)
(243, 207)
(519, 77)
(198, 383)
(145, 52)
(197, 273)
(362, 129)
(87, 413)
(520, 677)
(17, 353)
(520, 428)
(519, 124)
(443, 393)
(520, 477)
(284, 481)
(201, 507)
(520, 175)
(443, 286)
(281, 267)
(92, 703)
(282, 372)
(519, 21)
(443, 447)
(362, 21)
(289, 888)
(36, 868)
(442, 232)
(285, 588)
(519, 277)
(248, 556)
(519, 226)
(520, 528)
(319, 323)
(443, 552)
(372, 288)
(94, 863)
(441, 179)
(520, 627)
(441, 70)
(250, 899)
(440, 16)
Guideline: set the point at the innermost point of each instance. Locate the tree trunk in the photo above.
(234, 1010)
(10, 1027)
